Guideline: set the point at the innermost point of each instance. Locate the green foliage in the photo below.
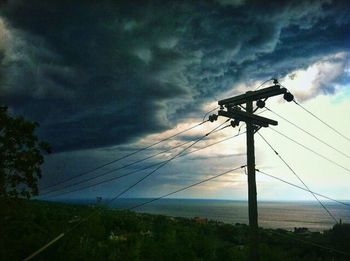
(339, 235)
(20, 156)
(123, 235)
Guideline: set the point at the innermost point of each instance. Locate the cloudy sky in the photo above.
(105, 78)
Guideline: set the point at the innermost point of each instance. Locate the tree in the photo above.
(20, 156)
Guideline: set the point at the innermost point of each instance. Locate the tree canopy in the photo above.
(21, 156)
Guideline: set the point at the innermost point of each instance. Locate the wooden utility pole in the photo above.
(231, 108)
(252, 195)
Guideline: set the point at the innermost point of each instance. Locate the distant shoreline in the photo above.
(191, 199)
(272, 214)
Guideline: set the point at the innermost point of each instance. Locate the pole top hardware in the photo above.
(213, 117)
(253, 96)
(239, 115)
(233, 108)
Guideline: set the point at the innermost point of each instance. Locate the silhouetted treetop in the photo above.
(20, 156)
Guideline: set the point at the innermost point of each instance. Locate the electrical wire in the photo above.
(128, 165)
(179, 190)
(123, 167)
(110, 201)
(311, 150)
(184, 188)
(310, 134)
(125, 156)
(166, 162)
(318, 118)
(294, 185)
(299, 178)
(115, 169)
(192, 185)
(205, 115)
(137, 170)
(257, 88)
(44, 247)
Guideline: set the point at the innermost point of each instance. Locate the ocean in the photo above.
(272, 214)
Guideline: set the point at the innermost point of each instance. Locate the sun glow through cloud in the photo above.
(137, 77)
(317, 78)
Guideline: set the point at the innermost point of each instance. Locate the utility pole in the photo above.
(232, 108)
(252, 195)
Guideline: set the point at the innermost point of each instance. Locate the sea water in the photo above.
(272, 214)
(285, 215)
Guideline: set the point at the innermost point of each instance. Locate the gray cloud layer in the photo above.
(97, 74)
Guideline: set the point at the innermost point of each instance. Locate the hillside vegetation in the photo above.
(124, 235)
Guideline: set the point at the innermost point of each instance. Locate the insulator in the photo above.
(260, 104)
(213, 117)
(288, 97)
(275, 81)
(234, 123)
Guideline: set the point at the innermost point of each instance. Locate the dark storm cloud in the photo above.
(97, 74)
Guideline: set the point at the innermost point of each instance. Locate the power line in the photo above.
(295, 174)
(37, 252)
(257, 88)
(184, 188)
(166, 162)
(294, 185)
(310, 134)
(187, 187)
(44, 247)
(125, 156)
(138, 170)
(122, 167)
(214, 143)
(115, 169)
(195, 184)
(145, 168)
(205, 115)
(109, 202)
(311, 150)
(318, 118)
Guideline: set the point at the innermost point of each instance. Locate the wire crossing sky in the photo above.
(299, 178)
(158, 165)
(120, 90)
(129, 155)
(114, 84)
(86, 219)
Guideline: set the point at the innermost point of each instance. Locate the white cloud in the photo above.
(318, 78)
